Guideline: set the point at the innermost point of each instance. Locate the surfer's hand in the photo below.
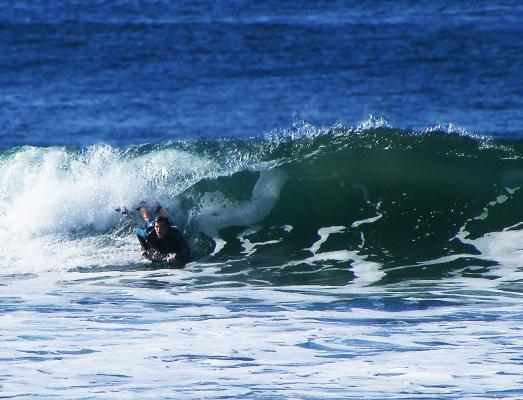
(170, 258)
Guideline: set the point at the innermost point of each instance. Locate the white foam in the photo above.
(370, 220)
(216, 211)
(324, 234)
(373, 122)
(100, 337)
(54, 202)
(504, 248)
(366, 272)
(249, 247)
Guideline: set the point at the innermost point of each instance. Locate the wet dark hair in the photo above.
(162, 220)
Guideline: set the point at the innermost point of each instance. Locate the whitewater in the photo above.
(367, 262)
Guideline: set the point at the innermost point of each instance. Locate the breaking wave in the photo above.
(337, 205)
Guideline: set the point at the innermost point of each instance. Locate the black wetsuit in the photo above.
(172, 242)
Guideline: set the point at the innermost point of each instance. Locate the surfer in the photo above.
(167, 242)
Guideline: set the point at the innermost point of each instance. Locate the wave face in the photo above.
(369, 205)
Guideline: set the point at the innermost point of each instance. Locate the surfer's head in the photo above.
(161, 226)
(145, 210)
(146, 213)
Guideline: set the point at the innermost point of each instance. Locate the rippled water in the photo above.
(159, 334)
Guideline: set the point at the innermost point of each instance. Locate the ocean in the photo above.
(348, 175)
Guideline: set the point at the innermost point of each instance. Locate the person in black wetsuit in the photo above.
(168, 242)
(148, 212)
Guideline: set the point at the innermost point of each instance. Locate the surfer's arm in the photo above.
(145, 245)
(125, 211)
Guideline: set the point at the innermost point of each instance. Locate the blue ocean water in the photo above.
(348, 175)
(130, 72)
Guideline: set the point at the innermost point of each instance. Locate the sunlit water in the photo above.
(160, 334)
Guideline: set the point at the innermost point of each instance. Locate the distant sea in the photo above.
(348, 175)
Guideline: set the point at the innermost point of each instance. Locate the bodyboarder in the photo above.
(165, 243)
